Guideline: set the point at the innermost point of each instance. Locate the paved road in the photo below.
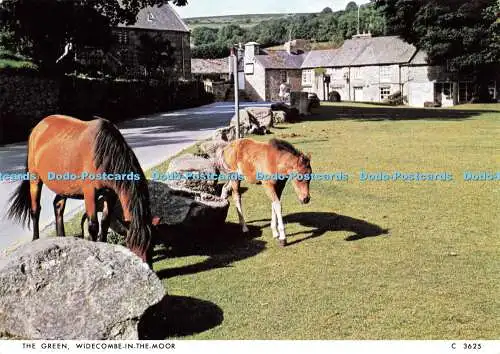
(153, 138)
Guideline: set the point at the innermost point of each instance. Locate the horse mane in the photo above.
(113, 155)
(282, 145)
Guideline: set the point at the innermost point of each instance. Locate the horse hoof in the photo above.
(282, 243)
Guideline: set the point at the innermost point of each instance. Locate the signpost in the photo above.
(234, 58)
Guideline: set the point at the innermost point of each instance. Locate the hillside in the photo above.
(247, 20)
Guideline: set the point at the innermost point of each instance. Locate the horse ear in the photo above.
(156, 220)
(308, 155)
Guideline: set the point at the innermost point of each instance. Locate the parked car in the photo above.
(314, 101)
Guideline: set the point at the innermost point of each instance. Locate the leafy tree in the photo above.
(351, 6)
(211, 51)
(348, 24)
(327, 10)
(271, 32)
(42, 28)
(462, 33)
(204, 35)
(231, 34)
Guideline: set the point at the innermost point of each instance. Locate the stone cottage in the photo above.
(364, 69)
(161, 24)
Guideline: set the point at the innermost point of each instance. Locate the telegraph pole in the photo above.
(234, 58)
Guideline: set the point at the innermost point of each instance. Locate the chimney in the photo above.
(251, 50)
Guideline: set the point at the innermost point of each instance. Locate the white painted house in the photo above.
(364, 69)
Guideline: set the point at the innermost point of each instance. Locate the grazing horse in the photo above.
(64, 145)
(270, 164)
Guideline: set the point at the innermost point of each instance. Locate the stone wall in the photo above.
(273, 82)
(25, 99)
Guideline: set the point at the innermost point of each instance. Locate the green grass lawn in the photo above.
(367, 260)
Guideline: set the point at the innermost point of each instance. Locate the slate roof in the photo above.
(419, 59)
(281, 60)
(362, 51)
(163, 18)
(210, 66)
(384, 50)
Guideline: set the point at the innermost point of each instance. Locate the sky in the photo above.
(202, 8)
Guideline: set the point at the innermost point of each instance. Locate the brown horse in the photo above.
(60, 145)
(270, 164)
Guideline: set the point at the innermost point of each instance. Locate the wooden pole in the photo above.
(236, 92)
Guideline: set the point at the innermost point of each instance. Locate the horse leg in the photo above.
(274, 192)
(235, 185)
(35, 194)
(59, 205)
(82, 224)
(90, 208)
(109, 201)
(226, 189)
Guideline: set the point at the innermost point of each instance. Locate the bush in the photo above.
(211, 51)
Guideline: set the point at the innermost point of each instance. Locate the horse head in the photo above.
(302, 178)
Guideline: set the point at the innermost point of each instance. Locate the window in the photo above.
(122, 37)
(356, 73)
(307, 77)
(385, 73)
(448, 90)
(384, 92)
(249, 69)
(464, 91)
(283, 76)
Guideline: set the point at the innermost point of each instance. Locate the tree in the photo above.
(462, 34)
(327, 10)
(204, 35)
(351, 6)
(232, 34)
(211, 51)
(42, 28)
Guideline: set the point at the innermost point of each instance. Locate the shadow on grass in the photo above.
(178, 316)
(324, 222)
(223, 247)
(381, 113)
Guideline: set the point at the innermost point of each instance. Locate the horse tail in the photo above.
(113, 155)
(20, 202)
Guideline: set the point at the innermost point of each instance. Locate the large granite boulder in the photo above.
(188, 171)
(180, 208)
(249, 124)
(69, 288)
(225, 134)
(262, 115)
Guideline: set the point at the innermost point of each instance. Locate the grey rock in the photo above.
(185, 209)
(225, 134)
(69, 288)
(249, 124)
(263, 116)
(197, 166)
(211, 147)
